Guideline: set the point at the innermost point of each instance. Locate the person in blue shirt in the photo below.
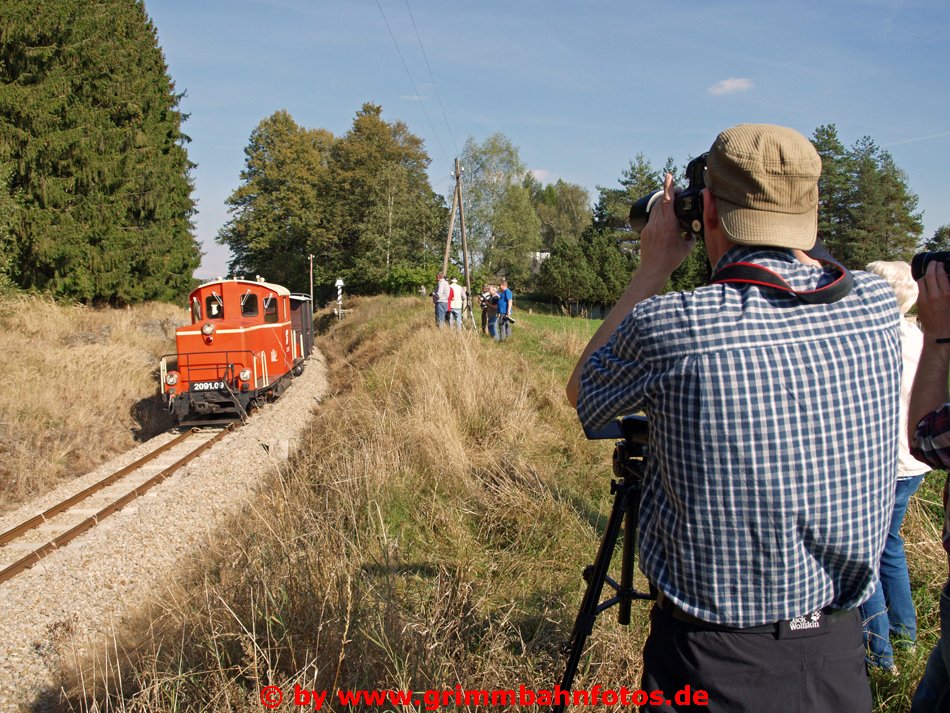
(773, 405)
(505, 303)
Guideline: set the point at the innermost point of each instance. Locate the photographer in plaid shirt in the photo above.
(929, 425)
(773, 439)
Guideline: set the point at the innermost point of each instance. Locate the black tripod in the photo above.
(629, 457)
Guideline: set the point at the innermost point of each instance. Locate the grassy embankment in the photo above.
(431, 532)
(76, 387)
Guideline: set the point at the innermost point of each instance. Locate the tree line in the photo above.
(362, 205)
(95, 188)
(866, 212)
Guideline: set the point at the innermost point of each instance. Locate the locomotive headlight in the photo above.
(171, 378)
(207, 329)
(245, 375)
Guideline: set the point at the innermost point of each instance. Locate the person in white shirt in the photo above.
(456, 301)
(890, 610)
(440, 298)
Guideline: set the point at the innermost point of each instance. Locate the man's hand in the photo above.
(662, 245)
(930, 383)
(933, 302)
(662, 250)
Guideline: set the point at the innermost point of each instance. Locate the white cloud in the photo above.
(543, 175)
(731, 86)
(412, 97)
(918, 138)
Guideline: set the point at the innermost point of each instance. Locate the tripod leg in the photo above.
(471, 316)
(628, 553)
(584, 623)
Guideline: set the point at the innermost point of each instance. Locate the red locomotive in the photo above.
(245, 343)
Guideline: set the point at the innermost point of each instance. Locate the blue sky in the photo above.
(580, 87)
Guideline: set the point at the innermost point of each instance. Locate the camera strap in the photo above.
(751, 274)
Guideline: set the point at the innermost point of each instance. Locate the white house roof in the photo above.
(279, 289)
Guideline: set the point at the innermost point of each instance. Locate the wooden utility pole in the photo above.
(448, 239)
(457, 202)
(311, 282)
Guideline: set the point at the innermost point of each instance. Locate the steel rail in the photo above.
(83, 494)
(90, 522)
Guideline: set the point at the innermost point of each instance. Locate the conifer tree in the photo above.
(612, 212)
(567, 276)
(612, 268)
(7, 209)
(865, 210)
(834, 190)
(940, 240)
(89, 118)
(883, 222)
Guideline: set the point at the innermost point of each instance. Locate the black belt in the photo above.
(806, 625)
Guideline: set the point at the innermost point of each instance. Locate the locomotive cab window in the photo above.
(270, 309)
(214, 306)
(249, 305)
(195, 309)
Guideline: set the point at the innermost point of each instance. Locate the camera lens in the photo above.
(918, 265)
(640, 211)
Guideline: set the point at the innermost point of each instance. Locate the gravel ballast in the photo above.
(86, 590)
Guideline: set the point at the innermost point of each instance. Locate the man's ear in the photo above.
(710, 211)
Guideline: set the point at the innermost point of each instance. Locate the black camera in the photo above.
(635, 429)
(687, 203)
(918, 265)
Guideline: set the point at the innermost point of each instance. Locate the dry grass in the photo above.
(927, 565)
(77, 386)
(430, 533)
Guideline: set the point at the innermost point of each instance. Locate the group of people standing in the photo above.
(496, 301)
(450, 299)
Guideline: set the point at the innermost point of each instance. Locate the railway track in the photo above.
(24, 545)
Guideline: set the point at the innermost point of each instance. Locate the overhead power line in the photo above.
(412, 82)
(432, 79)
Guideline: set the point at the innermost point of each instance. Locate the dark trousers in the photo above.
(933, 691)
(758, 672)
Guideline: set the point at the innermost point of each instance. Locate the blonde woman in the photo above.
(890, 610)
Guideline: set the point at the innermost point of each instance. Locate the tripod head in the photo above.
(633, 434)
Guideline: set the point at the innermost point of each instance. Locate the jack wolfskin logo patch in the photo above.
(810, 621)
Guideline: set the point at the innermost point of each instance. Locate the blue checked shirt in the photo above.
(773, 440)
(931, 444)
